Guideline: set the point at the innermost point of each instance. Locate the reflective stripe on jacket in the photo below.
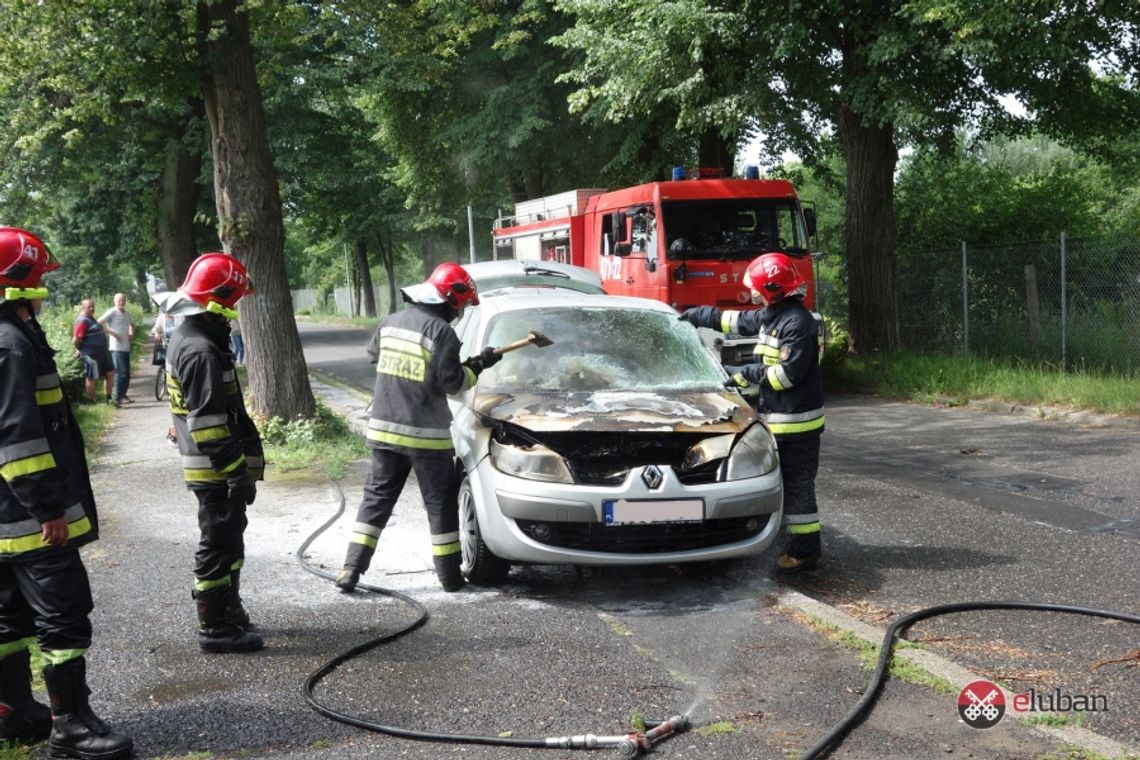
(43, 468)
(417, 366)
(216, 437)
(787, 364)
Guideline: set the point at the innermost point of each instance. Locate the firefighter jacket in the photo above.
(417, 366)
(787, 352)
(43, 469)
(216, 437)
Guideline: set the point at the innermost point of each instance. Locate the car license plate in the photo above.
(633, 512)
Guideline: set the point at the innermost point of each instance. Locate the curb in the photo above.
(1050, 413)
(957, 675)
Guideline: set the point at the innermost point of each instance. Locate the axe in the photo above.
(533, 337)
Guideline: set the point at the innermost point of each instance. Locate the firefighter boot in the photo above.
(804, 552)
(215, 635)
(448, 572)
(347, 579)
(23, 720)
(235, 612)
(76, 731)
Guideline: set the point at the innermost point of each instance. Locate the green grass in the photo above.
(958, 379)
(1069, 752)
(716, 729)
(868, 653)
(326, 443)
(1055, 720)
(339, 319)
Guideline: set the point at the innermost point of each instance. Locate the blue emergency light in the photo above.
(678, 173)
(752, 172)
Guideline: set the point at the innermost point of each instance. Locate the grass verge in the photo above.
(928, 378)
(326, 443)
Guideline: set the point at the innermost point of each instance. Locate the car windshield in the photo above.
(613, 348)
(731, 228)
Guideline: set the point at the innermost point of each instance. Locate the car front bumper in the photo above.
(554, 523)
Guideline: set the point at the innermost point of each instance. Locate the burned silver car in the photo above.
(615, 445)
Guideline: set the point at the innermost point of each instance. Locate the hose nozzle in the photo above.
(634, 745)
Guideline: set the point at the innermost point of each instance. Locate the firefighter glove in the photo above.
(486, 358)
(736, 378)
(241, 488)
(701, 316)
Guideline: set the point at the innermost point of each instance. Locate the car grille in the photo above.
(642, 539)
(702, 475)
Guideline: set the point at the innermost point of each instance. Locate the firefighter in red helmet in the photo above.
(220, 446)
(791, 389)
(47, 511)
(416, 353)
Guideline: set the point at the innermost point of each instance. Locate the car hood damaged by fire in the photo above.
(616, 445)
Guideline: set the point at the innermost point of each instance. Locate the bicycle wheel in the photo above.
(160, 384)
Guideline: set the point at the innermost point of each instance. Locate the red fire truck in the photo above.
(685, 242)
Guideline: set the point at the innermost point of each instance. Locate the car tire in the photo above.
(479, 564)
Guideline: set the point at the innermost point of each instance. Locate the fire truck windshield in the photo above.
(731, 228)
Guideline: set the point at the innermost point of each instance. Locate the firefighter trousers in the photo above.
(799, 463)
(221, 545)
(48, 597)
(386, 478)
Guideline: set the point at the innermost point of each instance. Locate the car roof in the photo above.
(520, 300)
(493, 277)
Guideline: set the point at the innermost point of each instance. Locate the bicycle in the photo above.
(159, 361)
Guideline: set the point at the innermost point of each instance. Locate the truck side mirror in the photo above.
(651, 265)
(809, 220)
(622, 249)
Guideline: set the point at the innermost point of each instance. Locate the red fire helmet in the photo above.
(773, 275)
(24, 259)
(217, 281)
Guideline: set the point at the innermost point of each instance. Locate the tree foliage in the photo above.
(874, 76)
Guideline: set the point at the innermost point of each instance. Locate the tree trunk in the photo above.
(177, 202)
(249, 211)
(388, 256)
(369, 303)
(870, 229)
(715, 152)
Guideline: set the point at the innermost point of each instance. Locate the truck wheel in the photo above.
(479, 564)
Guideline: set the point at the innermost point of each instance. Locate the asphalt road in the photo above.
(921, 505)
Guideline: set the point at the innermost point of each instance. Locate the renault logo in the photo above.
(652, 476)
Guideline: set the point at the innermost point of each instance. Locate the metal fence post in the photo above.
(1064, 310)
(965, 303)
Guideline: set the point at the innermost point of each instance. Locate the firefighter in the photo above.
(791, 388)
(220, 446)
(417, 366)
(47, 511)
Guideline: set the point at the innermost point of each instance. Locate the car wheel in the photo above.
(479, 564)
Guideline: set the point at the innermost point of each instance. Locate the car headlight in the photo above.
(535, 462)
(753, 455)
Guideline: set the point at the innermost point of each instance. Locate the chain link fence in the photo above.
(1069, 304)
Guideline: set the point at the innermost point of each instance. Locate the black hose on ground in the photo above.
(315, 677)
(862, 708)
(822, 749)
